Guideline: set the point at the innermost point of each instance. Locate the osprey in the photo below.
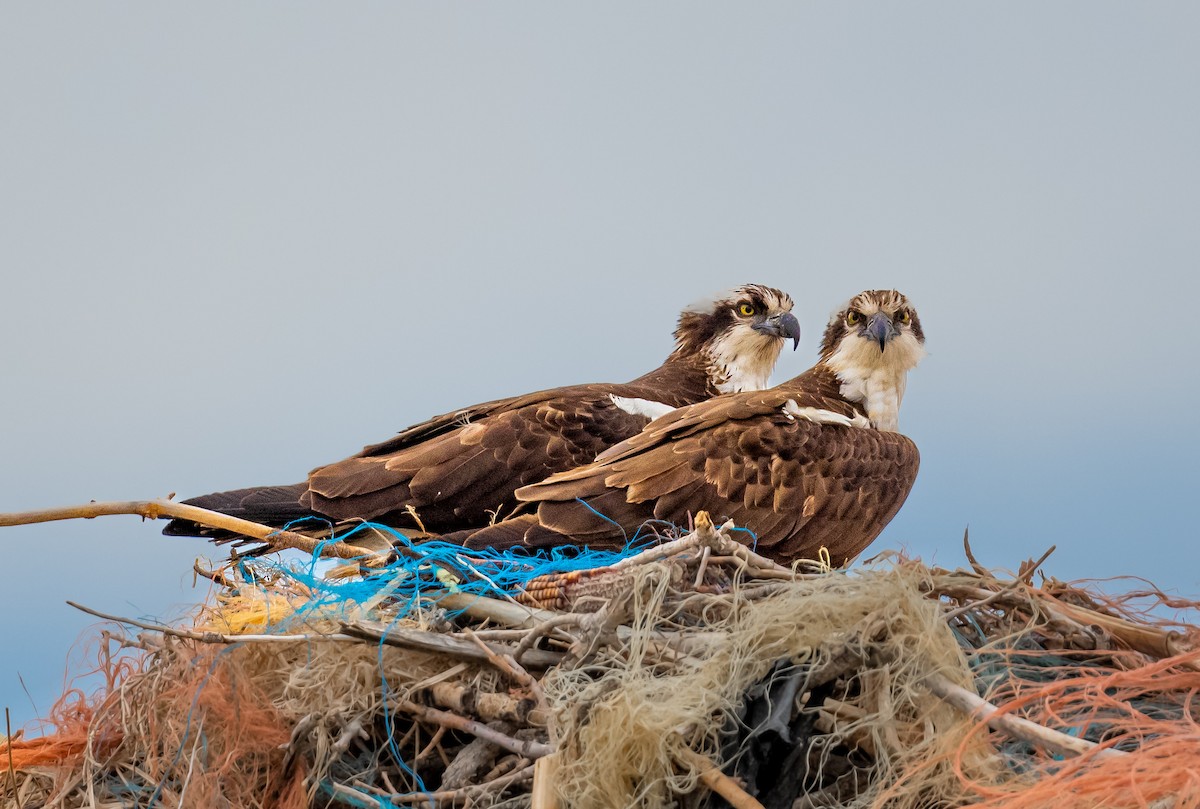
(459, 470)
(813, 463)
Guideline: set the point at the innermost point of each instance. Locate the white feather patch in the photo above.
(640, 407)
(819, 416)
(876, 378)
(743, 358)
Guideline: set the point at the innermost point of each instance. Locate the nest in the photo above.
(692, 673)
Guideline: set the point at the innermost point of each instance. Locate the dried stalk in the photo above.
(154, 509)
(502, 612)
(529, 749)
(488, 706)
(441, 644)
(463, 794)
(1015, 726)
(508, 664)
(720, 783)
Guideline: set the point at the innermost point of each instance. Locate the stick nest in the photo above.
(692, 674)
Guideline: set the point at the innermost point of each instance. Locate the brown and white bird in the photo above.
(813, 463)
(459, 470)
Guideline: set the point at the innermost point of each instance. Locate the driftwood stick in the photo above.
(463, 794)
(473, 759)
(998, 595)
(541, 630)
(1015, 726)
(508, 664)
(154, 509)
(1150, 640)
(545, 774)
(720, 783)
(502, 612)
(528, 749)
(441, 644)
(8, 740)
(488, 706)
(704, 535)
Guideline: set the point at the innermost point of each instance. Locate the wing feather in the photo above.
(457, 468)
(798, 486)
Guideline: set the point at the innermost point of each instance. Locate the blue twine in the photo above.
(387, 719)
(753, 536)
(412, 577)
(604, 517)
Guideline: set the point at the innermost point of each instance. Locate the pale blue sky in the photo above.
(238, 240)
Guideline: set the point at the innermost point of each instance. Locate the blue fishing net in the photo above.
(423, 571)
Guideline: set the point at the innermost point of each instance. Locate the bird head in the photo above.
(871, 344)
(740, 333)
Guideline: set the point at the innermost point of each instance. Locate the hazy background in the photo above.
(238, 240)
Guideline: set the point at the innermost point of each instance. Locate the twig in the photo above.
(1011, 587)
(541, 630)
(472, 759)
(434, 741)
(703, 566)
(353, 730)
(508, 664)
(214, 576)
(978, 568)
(1026, 574)
(434, 799)
(720, 783)
(505, 663)
(12, 772)
(1015, 726)
(1149, 640)
(487, 705)
(703, 534)
(441, 644)
(355, 797)
(211, 637)
(501, 612)
(529, 749)
(154, 509)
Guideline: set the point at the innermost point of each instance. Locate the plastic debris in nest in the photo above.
(659, 677)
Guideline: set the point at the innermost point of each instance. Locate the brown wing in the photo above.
(797, 486)
(455, 474)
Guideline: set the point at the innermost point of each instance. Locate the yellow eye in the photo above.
(853, 317)
(747, 309)
(904, 316)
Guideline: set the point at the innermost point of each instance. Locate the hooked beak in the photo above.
(880, 329)
(781, 325)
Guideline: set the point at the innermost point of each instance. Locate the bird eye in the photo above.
(747, 309)
(904, 316)
(853, 317)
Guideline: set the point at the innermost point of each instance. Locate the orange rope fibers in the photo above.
(1148, 712)
(193, 730)
(71, 720)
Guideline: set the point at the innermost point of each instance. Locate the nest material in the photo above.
(687, 675)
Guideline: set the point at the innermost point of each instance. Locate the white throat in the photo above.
(742, 359)
(876, 379)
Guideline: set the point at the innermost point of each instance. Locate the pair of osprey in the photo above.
(813, 463)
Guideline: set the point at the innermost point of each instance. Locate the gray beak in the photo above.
(880, 329)
(781, 325)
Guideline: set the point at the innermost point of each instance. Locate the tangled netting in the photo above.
(643, 678)
(626, 716)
